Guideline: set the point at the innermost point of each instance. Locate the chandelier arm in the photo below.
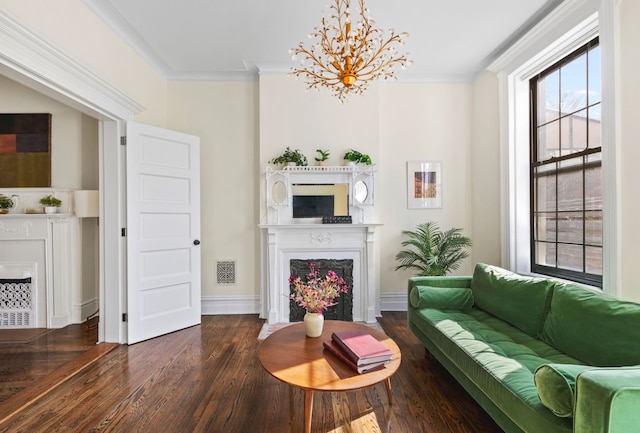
(379, 51)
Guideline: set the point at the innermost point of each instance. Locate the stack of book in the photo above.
(358, 349)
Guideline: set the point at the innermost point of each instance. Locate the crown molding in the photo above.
(30, 60)
(562, 19)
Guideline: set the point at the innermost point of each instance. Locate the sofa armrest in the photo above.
(607, 400)
(462, 282)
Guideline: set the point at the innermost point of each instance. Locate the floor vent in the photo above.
(226, 271)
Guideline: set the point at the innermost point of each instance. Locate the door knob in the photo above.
(196, 242)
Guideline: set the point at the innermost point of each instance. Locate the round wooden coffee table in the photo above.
(292, 357)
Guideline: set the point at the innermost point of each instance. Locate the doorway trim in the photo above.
(33, 62)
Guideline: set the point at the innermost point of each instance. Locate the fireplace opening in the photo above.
(343, 310)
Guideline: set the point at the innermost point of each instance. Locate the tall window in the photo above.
(566, 168)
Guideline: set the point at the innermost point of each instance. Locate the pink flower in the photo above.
(317, 293)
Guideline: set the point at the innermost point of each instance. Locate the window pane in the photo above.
(549, 141)
(593, 188)
(570, 257)
(546, 193)
(548, 98)
(570, 227)
(570, 191)
(546, 227)
(573, 137)
(593, 228)
(595, 94)
(573, 85)
(595, 127)
(594, 260)
(546, 254)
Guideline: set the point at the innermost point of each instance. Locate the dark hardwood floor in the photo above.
(27, 355)
(208, 379)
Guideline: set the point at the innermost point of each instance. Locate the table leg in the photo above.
(308, 408)
(388, 385)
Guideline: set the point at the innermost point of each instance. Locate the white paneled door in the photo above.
(163, 231)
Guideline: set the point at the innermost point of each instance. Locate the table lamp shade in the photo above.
(86, 203)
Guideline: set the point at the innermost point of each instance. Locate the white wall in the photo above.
(224, 116)
(430, 122)
(629, 15)
(486, 171)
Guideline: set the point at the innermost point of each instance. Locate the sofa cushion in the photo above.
(521, 301)
(593, 327)
(556, 384)
(448, 298)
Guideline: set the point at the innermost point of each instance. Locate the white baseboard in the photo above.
(393, 302)
(79, 313)
(214, 305)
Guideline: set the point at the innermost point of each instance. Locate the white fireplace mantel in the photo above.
(285, 242)
(46, 244)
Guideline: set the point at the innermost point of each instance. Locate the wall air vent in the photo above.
(226, 271)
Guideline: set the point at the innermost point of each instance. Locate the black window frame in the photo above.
(587, 162)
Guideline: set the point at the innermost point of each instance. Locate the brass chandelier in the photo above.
(346, 57)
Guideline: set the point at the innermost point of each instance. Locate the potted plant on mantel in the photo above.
(291, 157)
(324, 155)
(354, 157)
(50, 203)
(6, 203)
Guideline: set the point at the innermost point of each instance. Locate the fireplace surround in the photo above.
(285, 238)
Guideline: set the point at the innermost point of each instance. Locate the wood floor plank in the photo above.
(208, 379)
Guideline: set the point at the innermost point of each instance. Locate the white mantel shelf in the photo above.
(285, 242)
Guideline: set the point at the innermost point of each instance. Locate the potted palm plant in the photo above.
(50, 203)
(435, 252)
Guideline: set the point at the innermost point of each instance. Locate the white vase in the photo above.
(313, 323)
(50, 209)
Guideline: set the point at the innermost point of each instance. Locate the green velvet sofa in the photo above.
(539, 356)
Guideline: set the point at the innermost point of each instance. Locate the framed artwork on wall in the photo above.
(424, 184)
(25, 150)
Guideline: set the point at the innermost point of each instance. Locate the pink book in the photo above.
(332, 347)
(361, 347)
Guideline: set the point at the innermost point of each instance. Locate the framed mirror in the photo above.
(279, 193)
(360, 191)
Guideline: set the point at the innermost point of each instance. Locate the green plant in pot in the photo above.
(355, 157)
(291, 157)
(322, 157)
(50, 203)
(6, 203)
(435, 252)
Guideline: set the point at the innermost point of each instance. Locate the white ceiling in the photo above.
(450, 40)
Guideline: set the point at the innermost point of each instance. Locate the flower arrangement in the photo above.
(317, 294)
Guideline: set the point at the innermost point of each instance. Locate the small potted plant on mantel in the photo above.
(323, 156)
(291, 157)
(50, 203)
(354, 157)
(6, 203)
